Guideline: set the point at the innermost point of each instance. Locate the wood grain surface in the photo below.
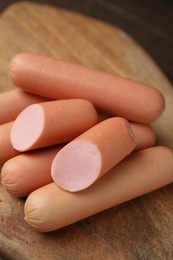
(149, 22)
(139, 229)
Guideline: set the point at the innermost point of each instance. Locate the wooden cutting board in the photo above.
(139, 229)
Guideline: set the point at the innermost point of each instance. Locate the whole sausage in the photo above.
(50, 207)
(58, 79)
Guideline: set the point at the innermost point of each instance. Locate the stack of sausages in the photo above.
(77, 140)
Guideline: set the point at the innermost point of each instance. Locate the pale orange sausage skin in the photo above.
(29, 171)
(145, 135)
(26, 172)
(62, 80)
(51, 123)
(7, 151)
(13, 102)
(140, 173)
(81, 162)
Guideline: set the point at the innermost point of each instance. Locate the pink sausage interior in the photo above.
(27, 127)
(77, 166)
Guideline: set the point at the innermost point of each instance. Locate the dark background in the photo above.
(149, 22)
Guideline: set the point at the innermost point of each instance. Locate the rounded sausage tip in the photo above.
(9, 183)
(14, 67)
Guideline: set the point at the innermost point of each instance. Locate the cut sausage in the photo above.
(81, 162)
(51, 123)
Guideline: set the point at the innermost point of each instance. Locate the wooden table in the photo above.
(139, 229)
(149, 22)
